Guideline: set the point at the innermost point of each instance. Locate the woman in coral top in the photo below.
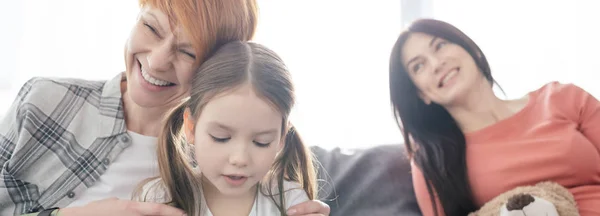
(467, 145)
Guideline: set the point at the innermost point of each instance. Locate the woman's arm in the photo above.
(589, 115)
(13, 192)
(423, 198)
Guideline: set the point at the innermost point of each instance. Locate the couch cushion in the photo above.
(372, 181)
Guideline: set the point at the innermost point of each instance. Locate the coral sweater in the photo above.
(555, 137)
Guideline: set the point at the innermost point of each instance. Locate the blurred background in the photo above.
(337, 50)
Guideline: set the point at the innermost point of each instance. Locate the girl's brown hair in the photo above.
(233, 65)
(210, 23)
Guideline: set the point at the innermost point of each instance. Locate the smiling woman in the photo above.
(460, 136)
(111, 123)
(160, 62)
(435, 64)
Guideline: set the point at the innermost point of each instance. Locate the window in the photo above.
(530, 43)
(337, 50)
(63, 38)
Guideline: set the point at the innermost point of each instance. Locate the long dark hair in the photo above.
(235, 64)
(439, 147)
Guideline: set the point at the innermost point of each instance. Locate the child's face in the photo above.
(237, 138)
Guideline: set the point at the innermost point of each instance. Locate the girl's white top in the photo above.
(155, 191)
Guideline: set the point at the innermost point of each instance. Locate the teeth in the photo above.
(449, 75)
(153, 80)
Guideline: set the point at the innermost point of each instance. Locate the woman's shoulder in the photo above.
(556, 88)
(564, 99)
(567, 95)
(47, 91)
(50, 85)
(48, 95)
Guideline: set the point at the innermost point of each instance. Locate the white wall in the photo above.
(61, 38)
(530, 43)
(337, 50)
(11, 22)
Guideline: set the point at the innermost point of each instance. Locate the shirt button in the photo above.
(71, 194)
(124, 139)
(106, 161)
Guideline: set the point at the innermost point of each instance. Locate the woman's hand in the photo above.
(309, 208)
(114, 206)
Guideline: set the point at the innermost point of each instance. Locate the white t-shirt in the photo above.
(135, 164)
(263, 205)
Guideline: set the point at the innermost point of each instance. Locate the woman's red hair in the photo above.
(210, 23)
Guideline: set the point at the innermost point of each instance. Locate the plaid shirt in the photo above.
(56, 140)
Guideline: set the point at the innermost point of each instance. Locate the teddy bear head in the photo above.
(543, 199)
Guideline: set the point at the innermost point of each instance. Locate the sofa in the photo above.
(372, 181)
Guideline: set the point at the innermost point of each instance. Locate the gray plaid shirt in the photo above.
(56, 140)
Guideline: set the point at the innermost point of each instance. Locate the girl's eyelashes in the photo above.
(263, 145)
(220, 139)
(225, 139)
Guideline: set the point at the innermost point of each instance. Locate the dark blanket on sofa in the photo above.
(372, 181)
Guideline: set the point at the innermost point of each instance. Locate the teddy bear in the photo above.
(542, 199)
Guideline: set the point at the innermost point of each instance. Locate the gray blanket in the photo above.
(374, 181)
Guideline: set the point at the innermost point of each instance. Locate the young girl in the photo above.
(229, 149)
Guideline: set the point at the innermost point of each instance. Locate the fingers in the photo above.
(314, 215)
(313, 207)
(155, 209)
(105, 200)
